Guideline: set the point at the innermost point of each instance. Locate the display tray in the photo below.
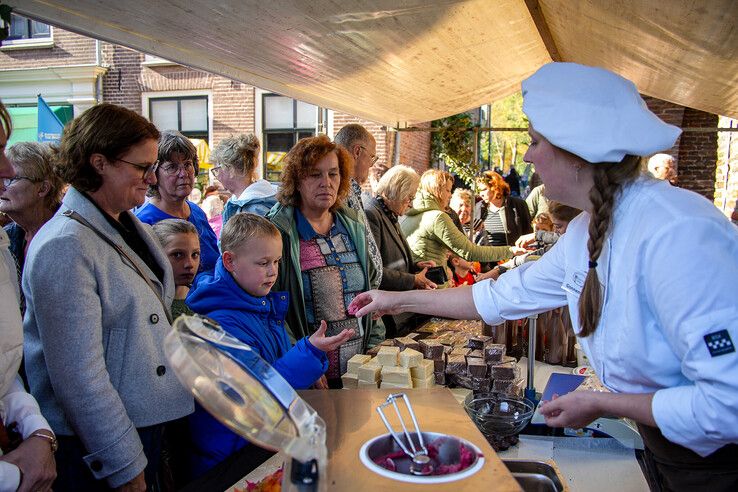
(352, 419)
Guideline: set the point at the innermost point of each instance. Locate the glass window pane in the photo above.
(40, 30)
(18, 27)
(194, 115)
(278, 112)
(164, 114)
(279, 142)
(307, 115)
(303, 134)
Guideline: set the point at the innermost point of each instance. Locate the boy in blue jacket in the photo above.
(238, 296)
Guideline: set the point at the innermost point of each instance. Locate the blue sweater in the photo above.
(209, 252)
(258, 322)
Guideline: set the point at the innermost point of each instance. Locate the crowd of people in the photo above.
(110, 242)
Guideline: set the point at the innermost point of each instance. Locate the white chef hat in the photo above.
(593, 113)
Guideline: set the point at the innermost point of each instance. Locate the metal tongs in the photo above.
(421, 462)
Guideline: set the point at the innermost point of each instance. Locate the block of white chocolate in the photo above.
(396, 375)
(387, 356)
(410, 358)
(384, 385)
(369, 372)
(368, 384)
(350, 381)
(423, 370)
(428, 382)
(355, 362)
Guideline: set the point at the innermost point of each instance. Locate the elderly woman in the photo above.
(98, 289)
(432, 234)
(175, 177)
(462, 203)
(324, 260)
(394, 194)
(31, 197)
(508, 217)
(236, 167)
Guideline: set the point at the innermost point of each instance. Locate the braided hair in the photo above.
(609, 179)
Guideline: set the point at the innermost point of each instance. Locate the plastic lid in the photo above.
(240, 389)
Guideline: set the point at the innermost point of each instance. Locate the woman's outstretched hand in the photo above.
(376, 302)
(327, 344)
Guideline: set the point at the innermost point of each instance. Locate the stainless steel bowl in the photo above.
(448, 454)
(497, 415)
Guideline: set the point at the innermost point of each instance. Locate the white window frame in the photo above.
(155, 61)
(28, 44)
(259, 127)
(147, 96)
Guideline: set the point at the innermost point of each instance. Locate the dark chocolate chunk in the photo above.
(507, 370)
(493, 353)
(455, 364)
(431, 349)
(476, 367)
(440, 377)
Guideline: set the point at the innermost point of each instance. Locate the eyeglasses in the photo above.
(148, 169)
(172, 169)
(9, 181)
(215, 170)
(373, 157)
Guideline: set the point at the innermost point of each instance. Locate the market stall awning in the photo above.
(402, 61)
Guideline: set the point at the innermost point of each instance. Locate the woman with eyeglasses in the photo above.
(31, 197)
(98, 289)
(175, 177)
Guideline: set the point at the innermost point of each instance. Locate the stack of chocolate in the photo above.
(479, 364)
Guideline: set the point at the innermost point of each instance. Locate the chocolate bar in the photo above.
(407, 343)
(493, 353)
(480, 384)
(476, 367)
(440, 377)
(478, 354)
(431, 349)
(456, 364)
(507, 370)
(439, 365)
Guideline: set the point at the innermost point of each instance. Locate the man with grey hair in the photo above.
(363, 148)
(662, 166)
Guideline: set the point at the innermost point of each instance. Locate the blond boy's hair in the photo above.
(242, 228)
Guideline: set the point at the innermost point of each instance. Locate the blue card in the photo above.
(561, 384)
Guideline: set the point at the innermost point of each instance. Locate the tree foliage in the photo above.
(506, 148)
(454, 145)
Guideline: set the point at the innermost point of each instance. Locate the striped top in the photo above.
(494, 226)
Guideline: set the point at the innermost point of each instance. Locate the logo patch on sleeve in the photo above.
(719, 343)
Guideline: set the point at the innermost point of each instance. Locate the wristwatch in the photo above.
(51, 438)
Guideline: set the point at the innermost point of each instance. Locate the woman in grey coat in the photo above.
(394, 194)
(97, 290)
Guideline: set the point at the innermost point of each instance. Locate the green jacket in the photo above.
(431, 234)
(290, 277)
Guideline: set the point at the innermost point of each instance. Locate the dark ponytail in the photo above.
(609, 179)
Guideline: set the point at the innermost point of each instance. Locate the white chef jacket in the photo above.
(670, 274)
(16, 405)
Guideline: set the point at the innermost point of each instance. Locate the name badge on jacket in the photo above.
(574, 282)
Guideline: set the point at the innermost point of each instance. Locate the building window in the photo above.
(27, 33)
(188, 115)
(285, 121)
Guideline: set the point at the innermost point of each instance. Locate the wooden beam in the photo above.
(537, 14)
